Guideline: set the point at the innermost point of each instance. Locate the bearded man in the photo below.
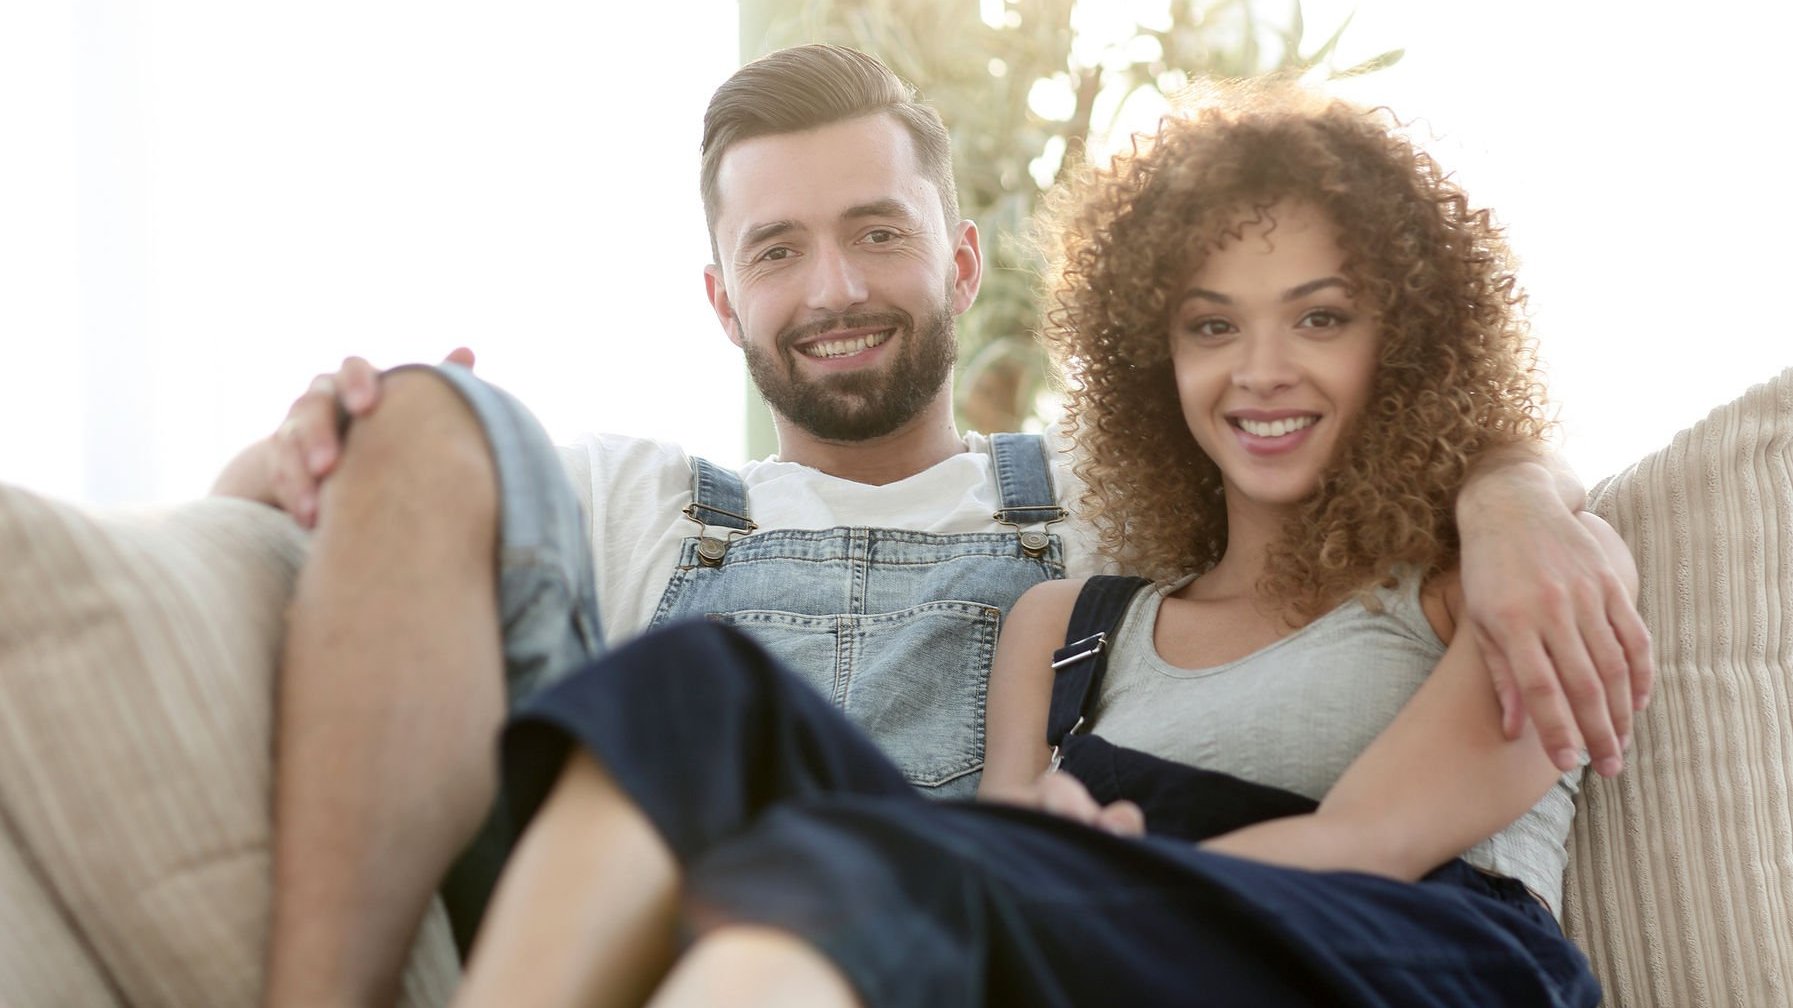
(458, 558)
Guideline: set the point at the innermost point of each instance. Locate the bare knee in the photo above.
(422, 438)
(753, 965)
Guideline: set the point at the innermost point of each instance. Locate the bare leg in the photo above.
(391, 693)
(748, 966)
(587, 909)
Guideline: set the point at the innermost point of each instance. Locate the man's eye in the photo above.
(880, 235)
(774, 254)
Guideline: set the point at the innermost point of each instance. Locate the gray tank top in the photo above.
(1297, 712)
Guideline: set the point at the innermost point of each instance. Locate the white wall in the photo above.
(204, 203)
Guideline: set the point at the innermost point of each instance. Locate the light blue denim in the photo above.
(898, 628)
(547, 592)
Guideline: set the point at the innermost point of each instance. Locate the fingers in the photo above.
(1534, 677)
(1634, 638)
(357, 386)
(1512, 708)
(1614, 671)
(311, 426)
(1065, 796)
(292, 485)
(1586, 691)
(1122, 818)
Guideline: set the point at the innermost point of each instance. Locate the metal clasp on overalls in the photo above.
(1089, 647)
(710, 547)
(1034, 539)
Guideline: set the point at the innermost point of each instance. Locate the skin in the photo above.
(1441, 777)
(863, 236)
(817, 248)
(1268, 330)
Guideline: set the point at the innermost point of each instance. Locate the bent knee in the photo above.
(422, 434)
(757, 965)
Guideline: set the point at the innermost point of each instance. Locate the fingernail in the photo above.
(1609, 766)
(317, 458)
(1625, 743)
(1566, 759)
(1643, 701)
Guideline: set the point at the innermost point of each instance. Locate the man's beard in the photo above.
(858, 405)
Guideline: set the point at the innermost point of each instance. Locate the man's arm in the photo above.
(1560, 634)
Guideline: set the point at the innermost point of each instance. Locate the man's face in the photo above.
(838, 277)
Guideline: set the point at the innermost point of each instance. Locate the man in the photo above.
(875, 553)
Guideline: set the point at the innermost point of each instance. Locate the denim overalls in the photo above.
(897, 628)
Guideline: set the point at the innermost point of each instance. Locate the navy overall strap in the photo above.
(1024, 483)
(718, 501)
(1079, 665)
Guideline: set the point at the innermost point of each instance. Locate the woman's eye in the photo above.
(1322, 318)
(1209, 328)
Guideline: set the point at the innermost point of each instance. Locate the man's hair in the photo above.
(810, 86)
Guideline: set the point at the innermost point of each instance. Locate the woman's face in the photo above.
(1272, 354)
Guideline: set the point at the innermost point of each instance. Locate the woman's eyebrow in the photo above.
(1295, 293)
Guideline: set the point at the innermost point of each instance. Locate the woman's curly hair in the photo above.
(1456, 375)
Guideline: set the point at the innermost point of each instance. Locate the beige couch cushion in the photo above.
(1680, 883)
(137, 654)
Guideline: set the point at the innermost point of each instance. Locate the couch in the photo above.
(136, 683)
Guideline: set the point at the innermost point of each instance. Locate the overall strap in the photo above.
(1024, 483)
(719, 506)
(1079, 665)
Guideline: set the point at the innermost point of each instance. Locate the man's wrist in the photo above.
(1496, 490)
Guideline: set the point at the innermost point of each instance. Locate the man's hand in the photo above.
(1554, 620)
(1065, 796)
(287, 468)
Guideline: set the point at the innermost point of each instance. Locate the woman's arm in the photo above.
(1015, 750)
(1440, 778)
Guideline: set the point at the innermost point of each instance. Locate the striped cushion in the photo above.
(137, 656)
(1680, 884)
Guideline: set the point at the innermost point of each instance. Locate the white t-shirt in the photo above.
(635, 491)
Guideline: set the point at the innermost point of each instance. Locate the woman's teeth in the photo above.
(1276, 428)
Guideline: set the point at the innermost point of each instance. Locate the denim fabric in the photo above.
(781, 813)
(547, 593)
(547, 600)
(897, 628)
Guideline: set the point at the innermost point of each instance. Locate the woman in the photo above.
(1286, 333)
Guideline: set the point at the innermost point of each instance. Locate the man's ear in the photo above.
(968, 267)
(717, 292)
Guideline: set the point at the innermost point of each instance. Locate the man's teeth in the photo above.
(1276, 428)
(843, 347)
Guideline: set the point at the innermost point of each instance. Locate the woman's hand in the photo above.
(1063, 795)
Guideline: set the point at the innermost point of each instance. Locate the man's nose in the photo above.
(836, 281)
